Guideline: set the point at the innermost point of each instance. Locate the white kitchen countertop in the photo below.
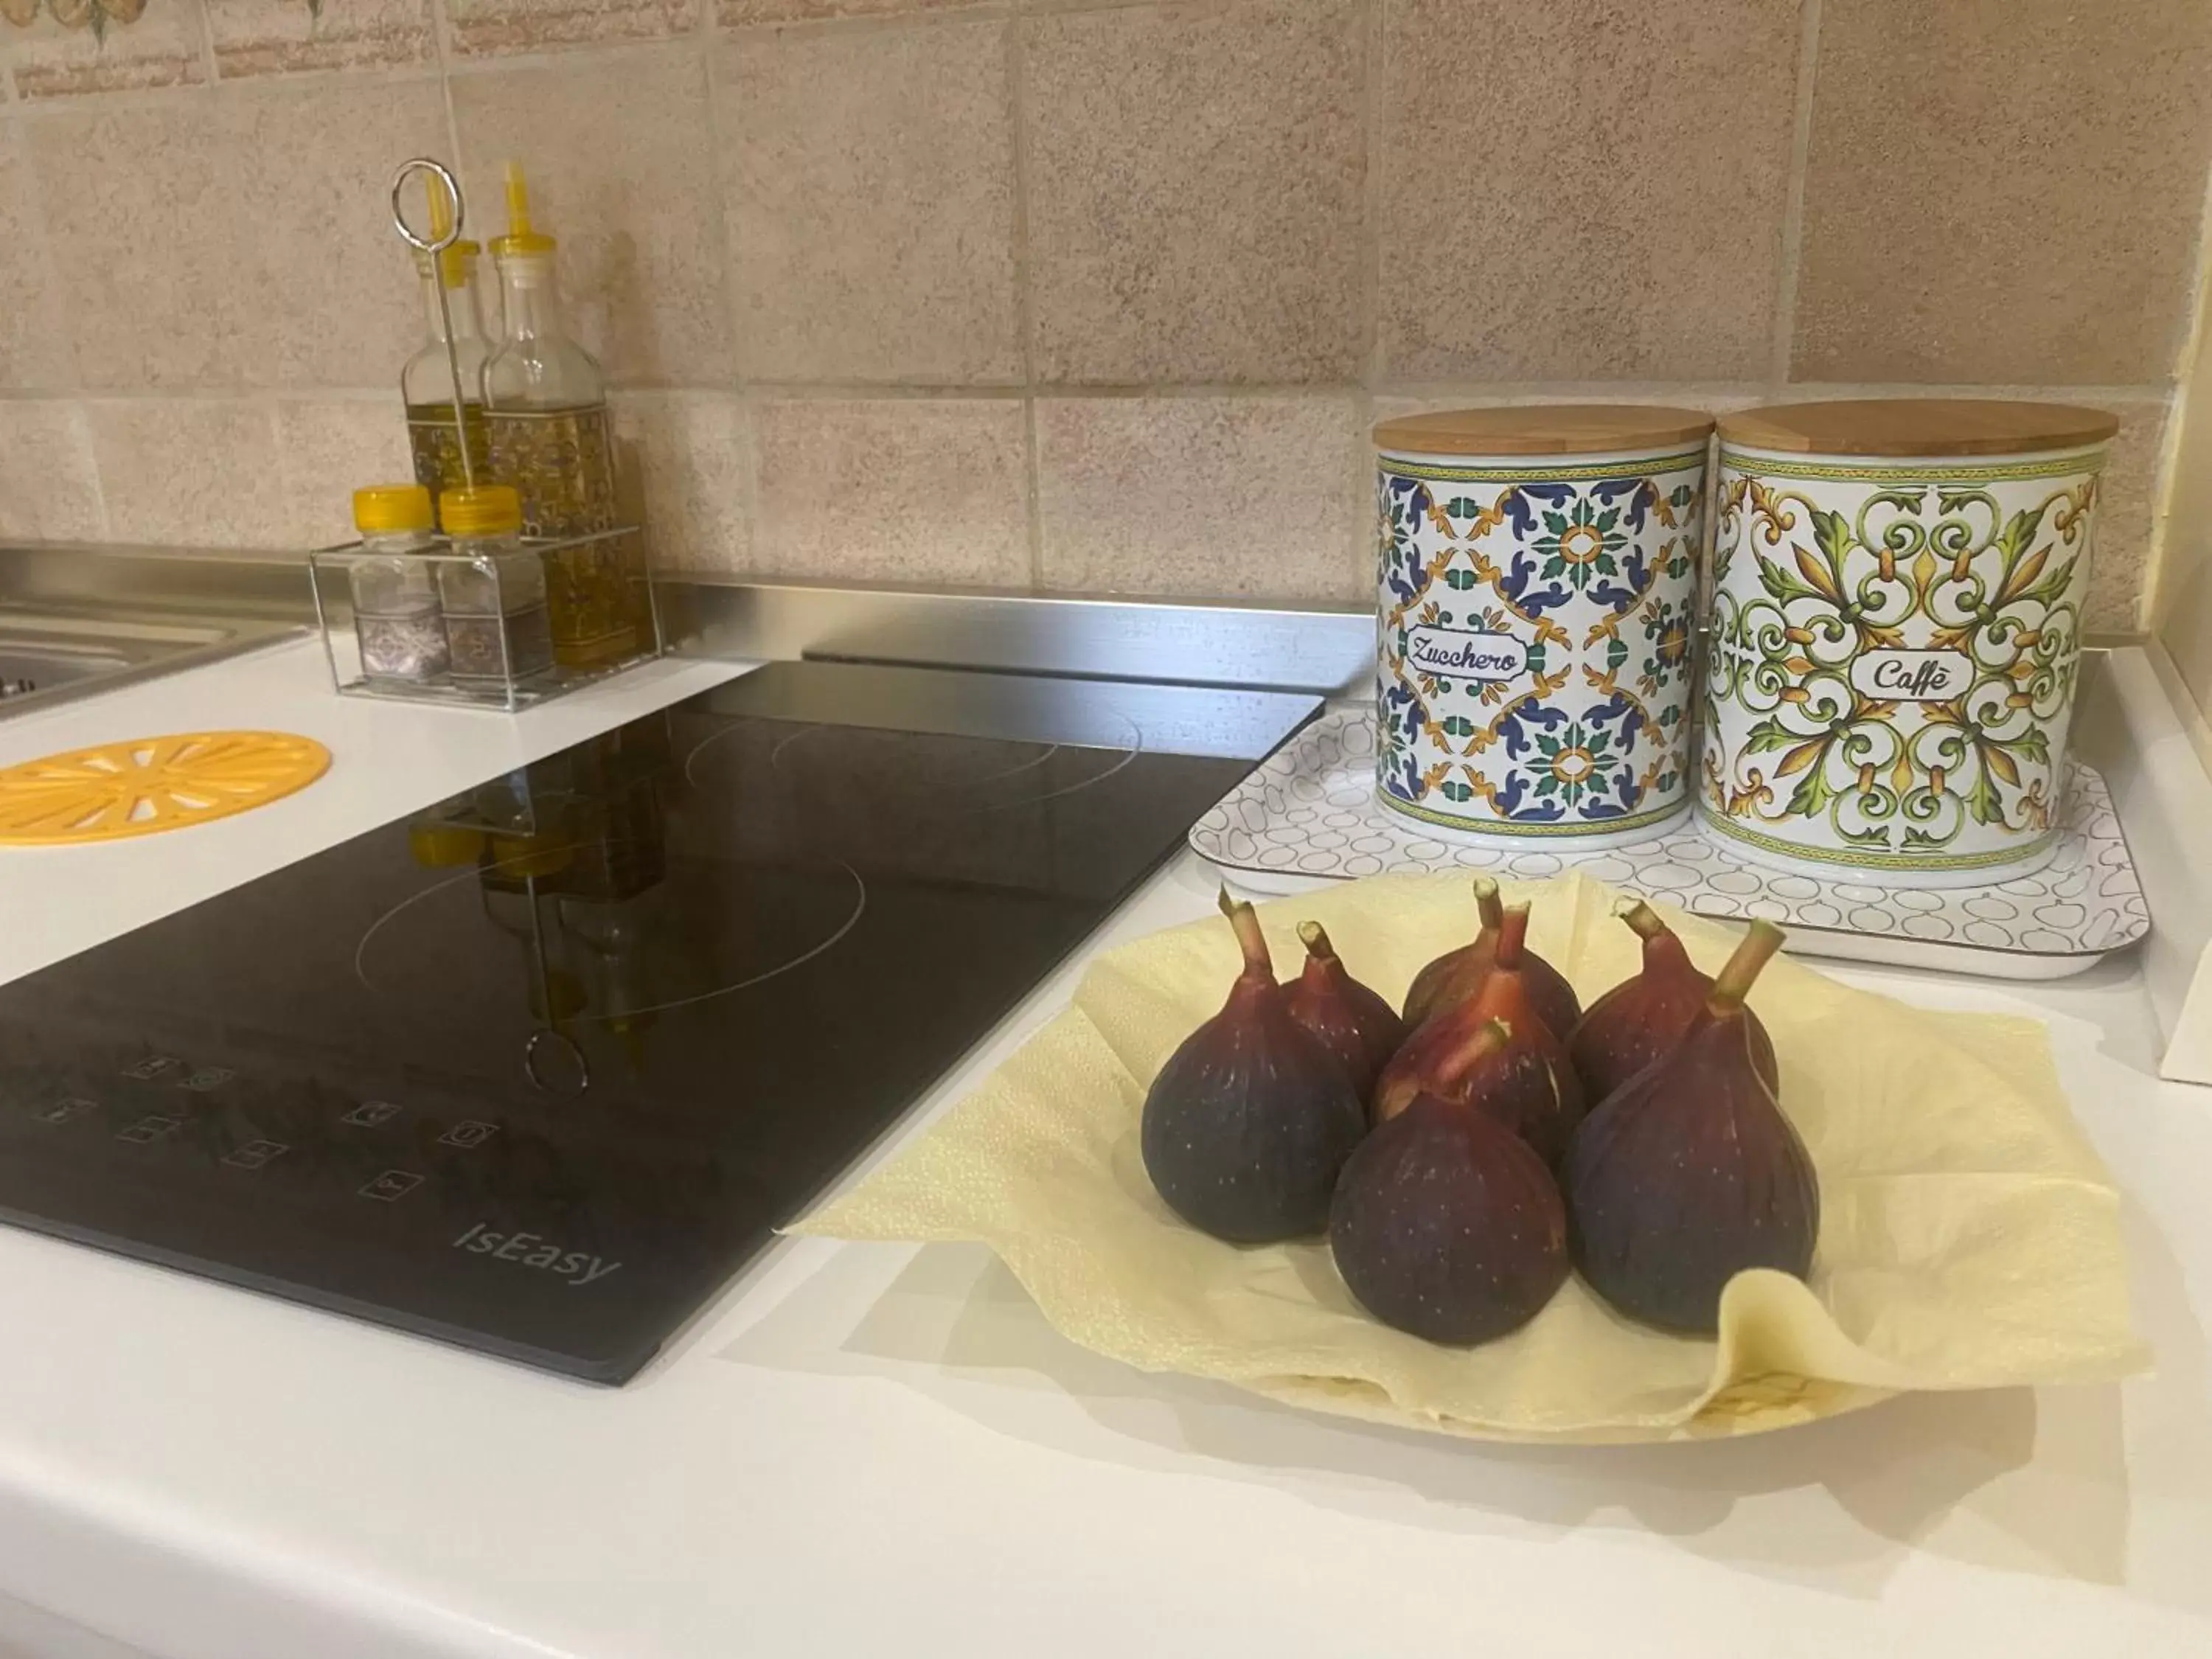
(873, 1449)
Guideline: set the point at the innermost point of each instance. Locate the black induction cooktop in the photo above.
(534, 1072)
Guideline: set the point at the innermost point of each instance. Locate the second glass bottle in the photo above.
(550, 439)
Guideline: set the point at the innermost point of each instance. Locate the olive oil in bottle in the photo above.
(545, 416)
(427, 382)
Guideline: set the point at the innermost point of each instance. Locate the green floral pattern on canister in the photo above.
(1895, 651)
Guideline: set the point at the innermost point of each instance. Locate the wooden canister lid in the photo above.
(1916, 426)
(1542, 430)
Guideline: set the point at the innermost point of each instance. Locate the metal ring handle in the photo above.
(434, 248)
(408, 170)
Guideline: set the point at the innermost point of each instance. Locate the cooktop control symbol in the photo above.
(207, 1078)
(391, 1185)
(150, 1129)
(468, 1133)
(63, 1110)
(152, 1066)
(255, 1154)
(370, 1113)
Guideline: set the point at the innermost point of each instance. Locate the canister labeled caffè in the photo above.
(1538, 573)
(1896, 635)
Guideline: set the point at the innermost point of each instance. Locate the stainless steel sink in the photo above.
(50, 655)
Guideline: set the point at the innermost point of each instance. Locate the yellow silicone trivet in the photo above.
(153, 784)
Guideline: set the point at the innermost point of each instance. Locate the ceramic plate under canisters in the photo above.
(1310, 811)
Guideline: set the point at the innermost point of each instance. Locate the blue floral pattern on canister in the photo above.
(1535, 655)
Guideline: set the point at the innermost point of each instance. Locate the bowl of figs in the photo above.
(1461, 1151)
(1547, 1162)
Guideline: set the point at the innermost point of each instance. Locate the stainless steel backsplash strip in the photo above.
(68, 575)
(1317, 650)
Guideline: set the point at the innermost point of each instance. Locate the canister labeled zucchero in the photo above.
(1896, 633)
(1538, 572)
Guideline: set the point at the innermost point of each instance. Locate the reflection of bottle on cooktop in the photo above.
(586, 893)
(546, 413)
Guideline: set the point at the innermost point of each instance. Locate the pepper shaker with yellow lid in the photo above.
(494, 594)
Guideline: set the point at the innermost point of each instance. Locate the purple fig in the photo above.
(1447, 1225)
(1690, 1174)
(1641, 1019)
(1247, 1124)
(1526, 1083)
(1356, 1025)
(1457, 975)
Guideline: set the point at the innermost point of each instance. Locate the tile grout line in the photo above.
(876, 22)
(18, 138)
(1787, 275)
(126, 98)
(1376, 36)
(208, 64)
(706, 45)
(456, 160)
(1006, 391)
(742, 386)
(280, 464)
(442, 55)
(1017, 68)
(80, 423)
(1359, 458)
(445, 60)
(1504, 390)
(1066, 8)
(467, 65)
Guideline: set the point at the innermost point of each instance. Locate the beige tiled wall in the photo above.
(1083, 296)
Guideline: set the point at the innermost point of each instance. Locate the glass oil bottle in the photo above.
(546, 417)
(427, 383)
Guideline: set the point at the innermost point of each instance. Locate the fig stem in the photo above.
(1486, 1039)
(1643, 921)
(1251, 938)
(1488, 906)
(1315, 938)
(1755, 951)
(1512, 937)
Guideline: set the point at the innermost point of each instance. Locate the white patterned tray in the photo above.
(1309, 811)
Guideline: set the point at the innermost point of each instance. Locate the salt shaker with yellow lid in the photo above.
(398, 618)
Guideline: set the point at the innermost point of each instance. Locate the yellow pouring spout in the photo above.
(454, 261)
(521, 238)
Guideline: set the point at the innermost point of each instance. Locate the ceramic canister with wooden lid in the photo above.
(1538, 590)
(1896, 632)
